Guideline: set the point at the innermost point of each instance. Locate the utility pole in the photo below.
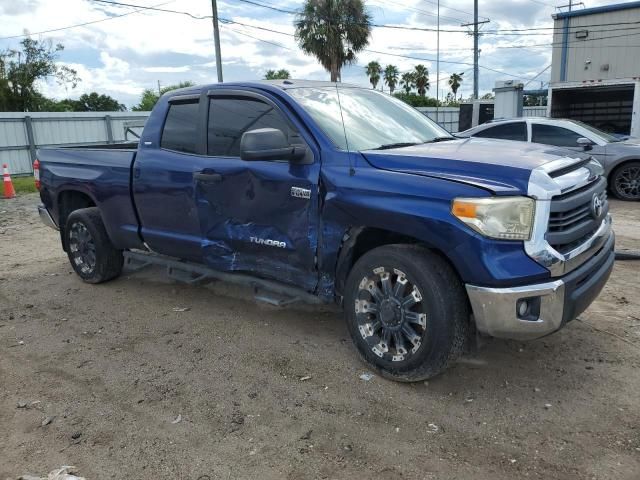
(216, 39)
(476, 35)
(570, 5)
(159, 89)
(438, 67)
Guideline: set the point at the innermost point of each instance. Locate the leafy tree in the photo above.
(391, 74)
(421, 77)
(454, 82)
(374, 70)
(22, 69)
(333, 31)
(94, 102)
(407, 80)
(150, 97)
(281, 74)
(488, 96)
(416, 100)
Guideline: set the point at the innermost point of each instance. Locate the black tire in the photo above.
(442, 321)
(91, 253)
(624, 181)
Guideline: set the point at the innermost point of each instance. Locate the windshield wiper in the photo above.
(441, 139)
(395, 145)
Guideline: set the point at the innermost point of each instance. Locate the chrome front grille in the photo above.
(574, 216)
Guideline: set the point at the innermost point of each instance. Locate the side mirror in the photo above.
(268, 144)
(585, 143)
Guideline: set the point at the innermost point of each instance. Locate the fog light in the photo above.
(523, 308)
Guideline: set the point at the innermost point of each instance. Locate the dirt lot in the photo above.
(116, 367)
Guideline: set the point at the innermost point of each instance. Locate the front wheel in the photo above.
(90, 251)
(625, 181)
(406, 311)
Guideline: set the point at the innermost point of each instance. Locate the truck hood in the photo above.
(500, 166)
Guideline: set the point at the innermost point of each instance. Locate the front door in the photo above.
(259, 217)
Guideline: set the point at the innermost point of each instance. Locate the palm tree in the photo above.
(454, 82)
(421, 77)
(373, 70)
(333, 31)
(407, 81)
(391, 74)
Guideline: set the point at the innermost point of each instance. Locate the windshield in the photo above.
(605, 136)
(368, 119)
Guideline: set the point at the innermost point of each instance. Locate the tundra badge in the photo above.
(298, 192)
(268, 241)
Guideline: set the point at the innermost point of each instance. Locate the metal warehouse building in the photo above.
(595, 73)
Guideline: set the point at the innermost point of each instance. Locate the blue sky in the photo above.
(122, 56)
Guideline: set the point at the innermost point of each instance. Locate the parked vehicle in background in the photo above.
(620, 156)
(330, 192)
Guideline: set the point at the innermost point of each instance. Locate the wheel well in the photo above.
(618, 167)
(363, 239)
(69, 201)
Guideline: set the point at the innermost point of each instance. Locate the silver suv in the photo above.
(620, 157)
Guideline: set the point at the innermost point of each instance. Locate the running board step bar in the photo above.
(193, 273)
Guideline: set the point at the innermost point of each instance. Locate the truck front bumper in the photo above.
(533, 311)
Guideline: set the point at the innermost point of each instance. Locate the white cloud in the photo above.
(124, 55)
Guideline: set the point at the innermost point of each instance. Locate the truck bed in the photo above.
(99, 175)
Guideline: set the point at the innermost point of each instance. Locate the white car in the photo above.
(620, 157)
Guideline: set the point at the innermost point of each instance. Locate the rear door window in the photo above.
(507, 131)
(230, 117)
(551, 135)
(180, 127)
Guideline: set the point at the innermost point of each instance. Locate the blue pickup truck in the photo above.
(327, 192)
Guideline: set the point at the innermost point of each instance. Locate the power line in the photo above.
(517, 32)
(229, 21)
(533, 78)
(155, 9)
(79, 24)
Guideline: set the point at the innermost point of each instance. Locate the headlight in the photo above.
(505, 218)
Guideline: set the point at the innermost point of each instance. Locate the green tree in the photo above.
(374, 70)
(416, 100)
(454, 82)
(150, 97)
(94, 102)
(333, 31)
(407, 80)
(421, 76)
(391, 74)
(281, 74)
(35, 61)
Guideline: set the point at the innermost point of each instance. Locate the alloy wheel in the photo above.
(390, 313)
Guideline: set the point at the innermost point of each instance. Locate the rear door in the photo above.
(163, 182)
(505, 131)
(257, 216)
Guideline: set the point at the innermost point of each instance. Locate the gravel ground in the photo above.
(231, 389)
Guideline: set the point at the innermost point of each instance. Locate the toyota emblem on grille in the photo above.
(596, 206)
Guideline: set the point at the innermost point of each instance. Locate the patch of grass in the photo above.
(24, 184)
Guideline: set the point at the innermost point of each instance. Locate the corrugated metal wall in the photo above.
(22, 133)
(596, 48)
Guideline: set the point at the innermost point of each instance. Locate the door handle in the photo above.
(207, 177)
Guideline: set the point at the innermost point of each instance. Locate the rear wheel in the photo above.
(91, 253)
(407, 312)
(625, 181)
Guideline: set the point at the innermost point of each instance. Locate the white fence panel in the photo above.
(21, 133)
(534, 112)
(448, 117)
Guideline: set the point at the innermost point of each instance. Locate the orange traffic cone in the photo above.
(9, 191)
